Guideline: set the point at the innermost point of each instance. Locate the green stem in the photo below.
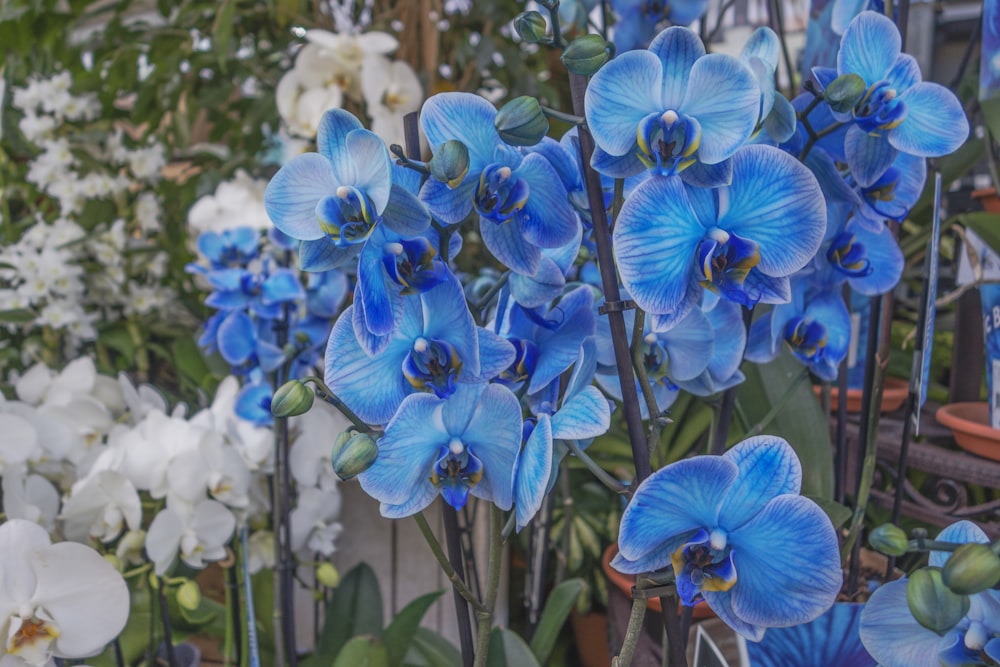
(555, 114)
(759, 427)
(228, 648)
(445, 564)
(816, 136)
(327, 395)
(639, 366)
(600, 473)
(557, 38)
(632, 634)
(485, 616)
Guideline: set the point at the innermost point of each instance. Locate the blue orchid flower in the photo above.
(892, 195)
(832, 639)
(519, 196)
(871, 262)
(465, 444)
(436, 348)
(584, 414)
(896, 639)
(737, 535)
(729, 342)
(814, 326)
(898, 112)
(253, 402)
(742, 240)
(263, 293)
(229, 247)
(670, 108)
(636, 20)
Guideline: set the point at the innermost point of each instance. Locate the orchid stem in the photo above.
(632, 633)
(555, 114)
(446, 567)
(168, 639)
(327, 395)
(492, 292)
(485, 616)
(253, 649)
(600, 473)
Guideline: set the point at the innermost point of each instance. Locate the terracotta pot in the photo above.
(970, 424)
(591, 634)
(893, 396)
(624, 583)
(988, 198)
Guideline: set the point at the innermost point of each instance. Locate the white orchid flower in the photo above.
(20, 441)
(32, 498)
(314, 521)
(301, 106)
(309, 458)
(215, 468)
(391, 90)
(197, 534)
(56, 600)
(100, 506)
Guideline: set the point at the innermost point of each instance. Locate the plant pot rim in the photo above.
(893, 395)
(624, 583)
(970, 424)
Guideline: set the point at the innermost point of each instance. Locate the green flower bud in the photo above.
(844, 92)
(585, 55)
(292, 399)
(327, 575)
(933, 604)
(530, 26)
(354, 456)
(521, 122)
(973, 568)
(889, 539)
(189, 595)
(450, 163)
(114, 560)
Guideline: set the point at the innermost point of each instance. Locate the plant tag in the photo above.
(706, 652)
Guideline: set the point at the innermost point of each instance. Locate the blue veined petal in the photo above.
(496, 354)
(830, 180)
(685, 12)
(723, 97)
(558, 351)
(408, 179)
(371, 343)
(322, 254)
(446, 316)
(669, 504)
(703, 175)
(211, 246)
(768, 468)
(228, 300)
(654, 241)
(828, 307)
(547, 219)
(228, 280)
(992, 649)
(824, 77)
(406, 451)
(373, 387)
(253, 404)
(868, 155)
(763, 44)
(764, 76)
(371, 166)
(726, 319)
(236, 338)
(208, 338)
(762, 345)
(493, 434)
(422, 496)
(869, 47)
(905, 73)
(463, 117)
(539, 289)
(505, 241)
(890, 633)
(886, 259)
(777, 203)
(291, 197)
(787, 563)
(780, 123)
(560, 158)
(269, 356)
(722, 605)
(584, 415)
(583, 369)
(533, 468)
(667, 321)
(448, 205)
(843, 12)
(689, 346)
(766, 289)
(374, 292)
(832, 639)
(617, 166)
(280, 287)
(405, 214)
(331, 142)
(935, 122)
(678, 49)
(963, 532)
(622, 93)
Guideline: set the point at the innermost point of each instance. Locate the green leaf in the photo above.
(355, 609)
(222, 31)
(509, 650)
(17, 316)
(557, 608)
(986, 225)
(991, 116)
(363, 651)
(800, 420)
(189, 360)
(399, 635)
(839, 514)
(429, 649)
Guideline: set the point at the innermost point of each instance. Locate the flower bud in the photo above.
(327, 575)
(889, 539)
(189, 595)
(450, 163)
(114, 560)
(521, 122)
(845, 92)
(933, 604)
(585, 55)
(292, 399)
(973, 568)
(355, 454)
(530, 26)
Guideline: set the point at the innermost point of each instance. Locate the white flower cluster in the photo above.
(332, 68)
(81, 450)
(238, 202)
(47, 103)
